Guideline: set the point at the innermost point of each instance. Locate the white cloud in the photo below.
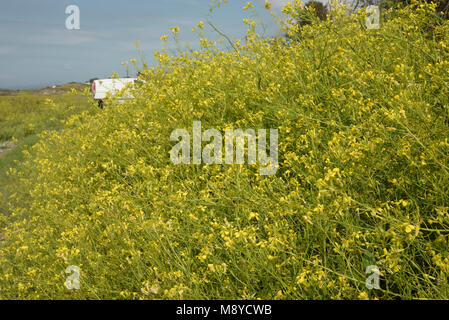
(279, 3)
(67, 37)
(4, 51)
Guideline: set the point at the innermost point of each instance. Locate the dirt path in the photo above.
(6, 146)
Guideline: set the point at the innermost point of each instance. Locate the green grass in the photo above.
(26, 114)
(10, 160)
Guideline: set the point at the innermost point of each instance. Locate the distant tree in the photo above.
(357, 4)
(442, 5)
(314, 9)
(318, 9)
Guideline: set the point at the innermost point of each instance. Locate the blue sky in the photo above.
(36, 49)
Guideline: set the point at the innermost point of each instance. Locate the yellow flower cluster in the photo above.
(363, 171)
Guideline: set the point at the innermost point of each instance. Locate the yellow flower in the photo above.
(155, 289)
(248, 5)
(409, 228)
(267, 5)
(253, 215)
(363, 296)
